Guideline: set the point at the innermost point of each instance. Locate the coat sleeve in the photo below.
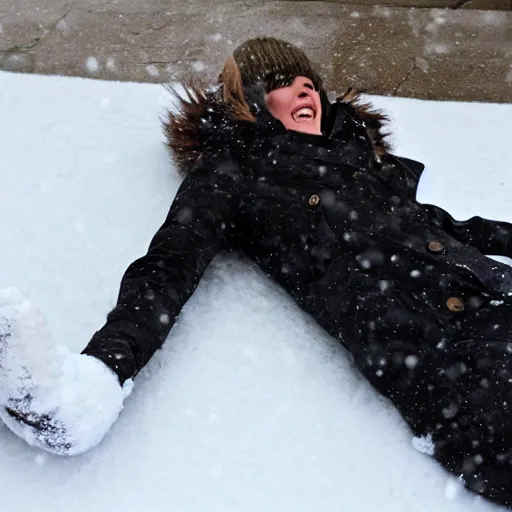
(488, 236)
(155, 287)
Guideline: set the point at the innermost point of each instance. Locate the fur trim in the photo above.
(374, 120)
(201, 117)
(181, 126)
(202, 114)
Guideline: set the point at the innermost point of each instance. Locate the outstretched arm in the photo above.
(155, 287)
(65, 403)
(488, 236)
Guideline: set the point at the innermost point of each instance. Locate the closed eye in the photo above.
(309, 86)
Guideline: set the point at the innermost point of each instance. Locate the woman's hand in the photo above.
(56, 400)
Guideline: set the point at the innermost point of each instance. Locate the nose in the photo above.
(304, 90)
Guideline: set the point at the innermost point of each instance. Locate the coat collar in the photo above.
(403, 173)
(203, 123)
(346, 142)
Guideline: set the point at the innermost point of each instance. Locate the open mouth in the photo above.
(303, 114)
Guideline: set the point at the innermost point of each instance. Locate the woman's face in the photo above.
(297, 106)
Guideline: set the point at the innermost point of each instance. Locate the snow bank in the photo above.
(250, 406)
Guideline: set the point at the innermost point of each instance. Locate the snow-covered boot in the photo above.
(56, 400)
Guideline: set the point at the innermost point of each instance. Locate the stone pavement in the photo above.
(434, 49)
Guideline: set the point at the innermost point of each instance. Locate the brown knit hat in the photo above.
(274, 62)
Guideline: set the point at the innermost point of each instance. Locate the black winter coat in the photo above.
(406, 288)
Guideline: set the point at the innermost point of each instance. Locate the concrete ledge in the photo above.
(450, 54)
(504, 5)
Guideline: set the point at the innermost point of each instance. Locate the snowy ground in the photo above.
(249, 407)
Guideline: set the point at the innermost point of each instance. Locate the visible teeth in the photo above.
(304, 113)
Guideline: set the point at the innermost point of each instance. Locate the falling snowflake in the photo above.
(92, 65)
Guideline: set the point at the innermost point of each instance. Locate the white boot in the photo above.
(61, 402)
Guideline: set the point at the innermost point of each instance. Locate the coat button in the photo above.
(435, 246)
(455, 304)
(314, 200)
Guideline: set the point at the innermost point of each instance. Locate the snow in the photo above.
(152, 70)
(92, 65)
(250, 406)
(77, 391)
(424, 444)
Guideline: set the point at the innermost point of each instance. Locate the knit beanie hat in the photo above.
(274, 62)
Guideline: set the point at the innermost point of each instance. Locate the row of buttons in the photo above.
(454, 304)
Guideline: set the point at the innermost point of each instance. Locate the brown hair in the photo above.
(233, 94)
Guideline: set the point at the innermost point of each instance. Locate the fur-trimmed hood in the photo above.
(202, 117)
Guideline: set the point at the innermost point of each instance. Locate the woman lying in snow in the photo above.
(308, 190)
